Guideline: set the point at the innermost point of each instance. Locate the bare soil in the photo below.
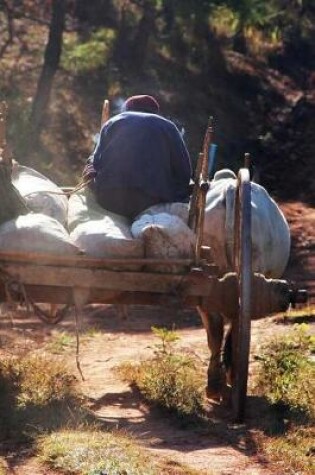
(221, 448)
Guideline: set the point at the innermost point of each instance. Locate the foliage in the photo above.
(89, 55)
(169, 379)
(287, 375)
(90, 452)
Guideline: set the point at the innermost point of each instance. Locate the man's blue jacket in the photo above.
(145, 152)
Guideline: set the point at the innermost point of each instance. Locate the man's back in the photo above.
(144, 153)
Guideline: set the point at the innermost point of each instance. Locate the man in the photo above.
(140, 160)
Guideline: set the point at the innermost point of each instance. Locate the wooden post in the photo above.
(247, 160)
(201, 170)
(203, 189)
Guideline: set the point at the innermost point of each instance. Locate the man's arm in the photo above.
(92, 163)
(181, 165)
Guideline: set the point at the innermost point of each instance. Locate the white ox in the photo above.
(270, 231)
(270, 253)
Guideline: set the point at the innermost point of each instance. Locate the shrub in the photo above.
(169, 379)
(36, 391)
(287, 375)
(91, 452)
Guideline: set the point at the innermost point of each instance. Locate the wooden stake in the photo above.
(105, 112)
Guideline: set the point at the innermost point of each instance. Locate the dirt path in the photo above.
(301, 268)
(221, 449)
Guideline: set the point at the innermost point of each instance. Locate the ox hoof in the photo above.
(216, 386)
(213, 394)
(229, 379)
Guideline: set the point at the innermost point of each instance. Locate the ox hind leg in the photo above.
(214, 325)
(228, 356)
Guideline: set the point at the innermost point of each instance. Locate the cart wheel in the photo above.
(243, 268)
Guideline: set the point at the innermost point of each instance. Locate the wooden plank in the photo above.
(192, 283)
(84, 261)
(63, 295)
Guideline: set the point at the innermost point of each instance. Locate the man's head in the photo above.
(142, 103)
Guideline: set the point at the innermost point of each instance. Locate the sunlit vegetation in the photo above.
(171, 379)
(88, 452)
(287, 380)
(60, 342)
(3, 466)
(37, 392)
(294, 451)
(303, 315)
(79, 57)
(287, 376)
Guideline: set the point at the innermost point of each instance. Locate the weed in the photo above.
(60, 342)
(169, 379)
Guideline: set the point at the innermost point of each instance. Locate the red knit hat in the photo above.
(142, 103)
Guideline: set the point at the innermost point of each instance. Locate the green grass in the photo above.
(88, 452)
(60, 342)
(91, 451)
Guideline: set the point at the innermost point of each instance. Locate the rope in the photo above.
(83, 184)
(77, 334)
(46, 317)
(40, 313)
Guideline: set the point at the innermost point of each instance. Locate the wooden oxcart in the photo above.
(238, 295)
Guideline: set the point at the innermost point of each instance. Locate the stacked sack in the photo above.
(40, 194)
(100, 233)
(166, 235)
(42, 230)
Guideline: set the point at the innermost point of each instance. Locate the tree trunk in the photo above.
(122, 48)
(11, 202)
(141, 41)
(51, 64)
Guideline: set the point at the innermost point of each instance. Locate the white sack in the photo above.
(165, 236)
(101, 233)
(175, 209)
(36, 233)
(39, 193)
(270, 230)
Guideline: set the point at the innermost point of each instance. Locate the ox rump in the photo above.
(269, 230)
